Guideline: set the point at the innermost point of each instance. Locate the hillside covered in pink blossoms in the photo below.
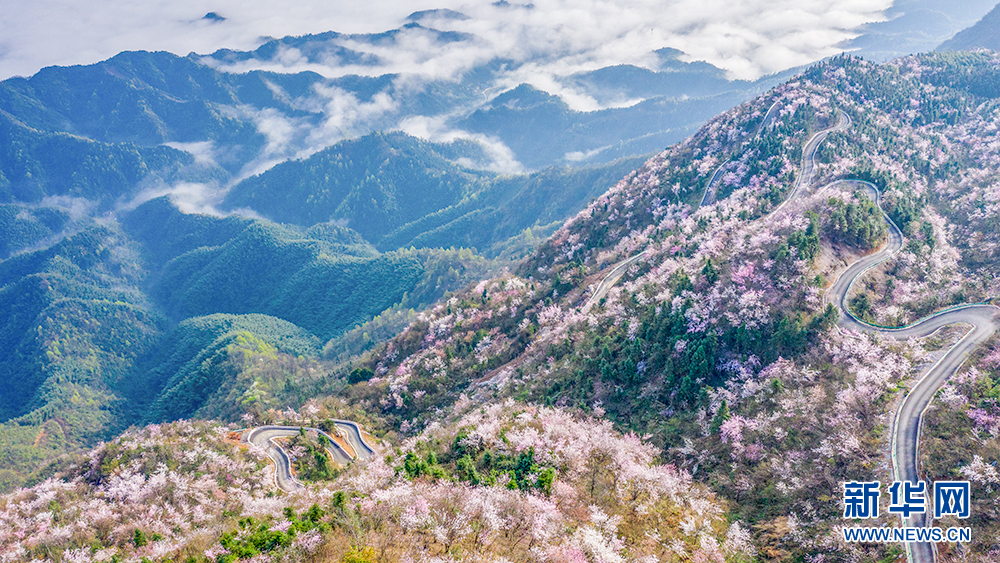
(502, 482)
(706, 408)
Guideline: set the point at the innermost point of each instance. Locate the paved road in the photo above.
(263, 436)
(352, 431)
(805, 178)
(906, 431)
(984, 319)
(807, 170)
(611, 279)
(708, 197)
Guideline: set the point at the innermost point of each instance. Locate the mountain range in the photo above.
(371, 226)
(562, 348)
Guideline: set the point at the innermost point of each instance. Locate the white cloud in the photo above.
(544, 43)
(64, 32)
(345, 116)
(580, 156)
(202, 151)
(435, 129)
(747, 38)
(285, 137)
(189, 197)
(76, 207)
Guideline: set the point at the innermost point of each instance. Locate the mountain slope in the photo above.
(195, 365)
(266, 269)
(398, 191)
(74, 327)
(36, 164)
(982, 35)
(716, 340)
(24, 226)
(915, 26)
(541, 129)
(149, 99)
(373, 184)
(88, 321)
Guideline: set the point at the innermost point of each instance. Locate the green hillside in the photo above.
(35, 164)
(399, 191)
(23, 226)
(373, 184)
(74, 325)
(87, 320)
(193, 368)
(145, 98)
(166, 233)
(273, 270)
(508, 205)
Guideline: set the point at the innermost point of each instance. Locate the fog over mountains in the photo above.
(403, 217)
(749, 39)
(982, 35)
(530, 85)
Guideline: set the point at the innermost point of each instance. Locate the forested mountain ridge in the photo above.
(84, 250)
(982, 35)
(240, 123)
(716, 345)
(36, 164)
(676, 96)
(148, 99)
(718, 342)
(90, 321)
(398, 191)
(374, 184)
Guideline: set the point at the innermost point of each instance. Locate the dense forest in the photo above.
(105, 270)
(704, 407)
(146, 318)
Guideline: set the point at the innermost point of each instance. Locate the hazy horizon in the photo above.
(748, 40)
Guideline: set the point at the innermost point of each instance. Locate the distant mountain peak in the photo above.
(442, 13)
(984, 34)
(506, 4)
(669, 53)
(524, 96)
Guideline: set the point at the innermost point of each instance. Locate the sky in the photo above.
(747, 39)
(546, 40)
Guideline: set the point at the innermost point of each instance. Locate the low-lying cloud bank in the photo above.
(748, 39)
(422, 44)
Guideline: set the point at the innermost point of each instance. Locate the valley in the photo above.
(241, 328)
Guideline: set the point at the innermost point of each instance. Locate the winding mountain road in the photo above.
(708, 197)
(807, 170)
(982, 317)
(906, 430)
(263, 437)
(611, 279)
